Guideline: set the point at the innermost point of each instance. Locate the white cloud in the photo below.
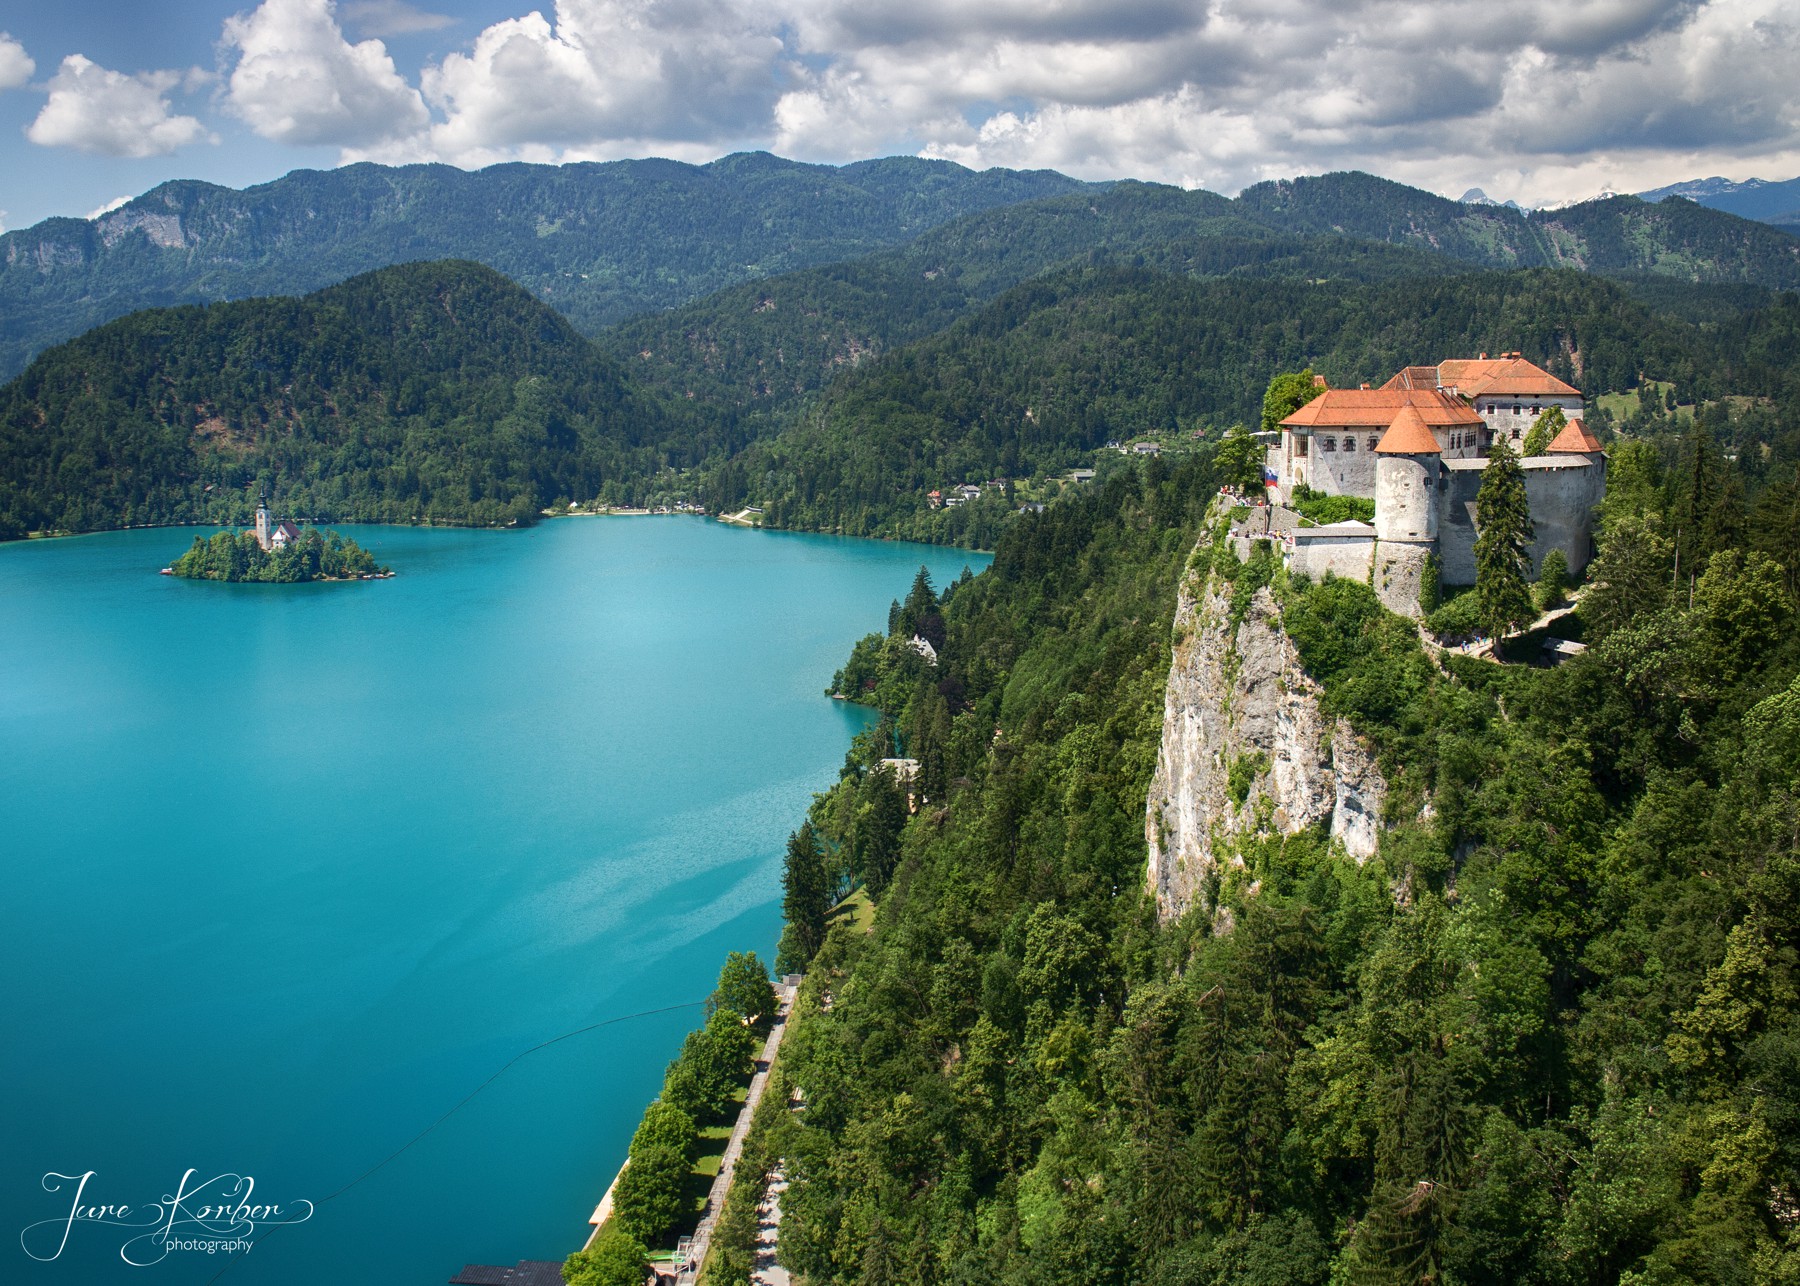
(1535, 99)
(610, 72)
(93, 109)
(109, 207)
(391, 18)
(1505, 94)
(16, 66)
(297, 80)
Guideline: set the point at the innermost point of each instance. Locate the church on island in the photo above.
(279, 536)
(1417, 446)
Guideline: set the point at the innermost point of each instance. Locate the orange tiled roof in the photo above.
(1575, 440)
(1377, 407)
(1419, 377)
(1408, 435)
(1502, 377)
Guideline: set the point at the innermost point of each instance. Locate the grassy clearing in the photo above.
(856, 910)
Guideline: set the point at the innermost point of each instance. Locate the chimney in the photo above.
(1484, 357)
(1365, 386)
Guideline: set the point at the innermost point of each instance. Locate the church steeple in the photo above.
(262, 519)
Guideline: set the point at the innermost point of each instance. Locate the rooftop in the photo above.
(1575, 438)
(1408, 435)
(1377, 407)
(1506, 376)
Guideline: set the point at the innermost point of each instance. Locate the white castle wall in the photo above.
(1512, 418)
(1406, 489)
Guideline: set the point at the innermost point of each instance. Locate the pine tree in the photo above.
(880, 819)
(806, 894)
(921, 601)
(1503, 538)
(1553, 580)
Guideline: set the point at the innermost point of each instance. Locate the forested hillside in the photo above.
(598, 241)
(746, 353)
(1546, 1034)
(1038, 379)
(1613, 236)
(434, 392)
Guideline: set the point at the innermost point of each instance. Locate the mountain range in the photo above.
(1768, 202)
(603, 243)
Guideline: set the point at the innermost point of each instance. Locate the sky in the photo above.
(1543, 101)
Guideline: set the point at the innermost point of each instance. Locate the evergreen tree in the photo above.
(880, 819)
(806, 899)
(1543, 431)
(1503, 538)
(1553, 580)
(921, 601)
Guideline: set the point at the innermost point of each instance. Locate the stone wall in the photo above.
(1399, 573)
(1562, 491)
(1346, 555)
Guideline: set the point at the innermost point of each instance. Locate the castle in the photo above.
(1417, 447)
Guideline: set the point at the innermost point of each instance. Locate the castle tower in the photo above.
(1406, 480)
(262, 520)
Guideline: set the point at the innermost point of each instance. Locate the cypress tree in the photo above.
(1502, 544)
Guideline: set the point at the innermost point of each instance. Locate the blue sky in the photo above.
(1539, 100)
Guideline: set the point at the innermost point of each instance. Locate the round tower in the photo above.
(1406, 480)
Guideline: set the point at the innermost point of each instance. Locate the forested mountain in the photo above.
(1614, 236)
(437, 392)
(1544, 1036)
(598, 241)
(747, 352)
(1037, 379)
(603, 242)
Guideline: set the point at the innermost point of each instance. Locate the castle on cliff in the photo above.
(1417, 447)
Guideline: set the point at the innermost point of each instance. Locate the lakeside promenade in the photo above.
(689, 1263)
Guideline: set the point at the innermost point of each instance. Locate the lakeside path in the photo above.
(715, 1199)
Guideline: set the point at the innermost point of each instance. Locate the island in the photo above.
(278, 554)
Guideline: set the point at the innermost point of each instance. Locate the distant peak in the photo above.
(1475, 196)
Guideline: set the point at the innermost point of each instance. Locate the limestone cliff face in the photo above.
(1239, 698)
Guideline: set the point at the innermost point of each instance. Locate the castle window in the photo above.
(1300, 441)
(1517, 409)
(1349, 444)
(1372, 442)
(1328, 444)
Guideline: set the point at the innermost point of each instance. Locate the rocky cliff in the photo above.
(1246, 748)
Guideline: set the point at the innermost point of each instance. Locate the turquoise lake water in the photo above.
(291, 870)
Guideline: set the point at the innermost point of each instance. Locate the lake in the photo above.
(293, 870)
